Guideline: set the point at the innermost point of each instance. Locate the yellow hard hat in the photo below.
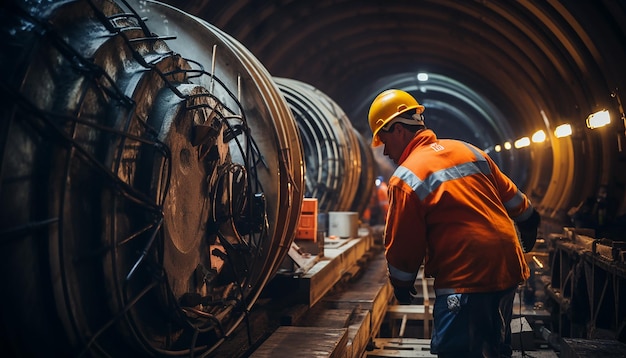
(388, 105)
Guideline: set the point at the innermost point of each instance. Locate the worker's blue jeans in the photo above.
(478, 326)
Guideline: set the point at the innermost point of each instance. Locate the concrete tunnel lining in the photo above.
(558, 60)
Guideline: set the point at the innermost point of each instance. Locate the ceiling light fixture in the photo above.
(598, 119)
(563, 130)
(539, 136)
(522, 142)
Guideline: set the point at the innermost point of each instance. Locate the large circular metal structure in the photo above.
(151, 180)
(339, 171)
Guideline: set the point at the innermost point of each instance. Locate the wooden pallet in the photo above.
(334, 318)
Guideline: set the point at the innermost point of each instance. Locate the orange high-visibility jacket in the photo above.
(452, 206)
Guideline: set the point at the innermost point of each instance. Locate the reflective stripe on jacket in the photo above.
(451, 204)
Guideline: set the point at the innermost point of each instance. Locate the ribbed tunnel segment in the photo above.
(339, 164)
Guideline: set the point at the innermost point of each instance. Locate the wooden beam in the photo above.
(290, 341)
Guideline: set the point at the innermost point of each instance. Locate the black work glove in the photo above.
(528, 231)
(404, 295)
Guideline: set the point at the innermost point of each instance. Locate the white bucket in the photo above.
(343, 224)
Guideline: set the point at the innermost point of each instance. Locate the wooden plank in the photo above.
(289, 341)
(401, 347)
(336, 318)
(364, 290)
(413, 312)
(358, 335)
(318, 280)
(371, 291)
(351, 250)
(398, 342)
(356, 320)
(380, 307)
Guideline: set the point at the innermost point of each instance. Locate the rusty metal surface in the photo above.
(151, 180)
(587, 281)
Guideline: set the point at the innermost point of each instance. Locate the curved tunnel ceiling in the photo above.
(499, 70)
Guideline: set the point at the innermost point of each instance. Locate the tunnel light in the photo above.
(522, 142)
(539, 136)
(497, 148)
(507, 145)
(598, 119)
(422, 77)
(563, 130)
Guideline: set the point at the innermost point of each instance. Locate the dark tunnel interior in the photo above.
(157, 157)
(497, 71)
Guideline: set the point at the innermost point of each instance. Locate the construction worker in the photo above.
(451, 208)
